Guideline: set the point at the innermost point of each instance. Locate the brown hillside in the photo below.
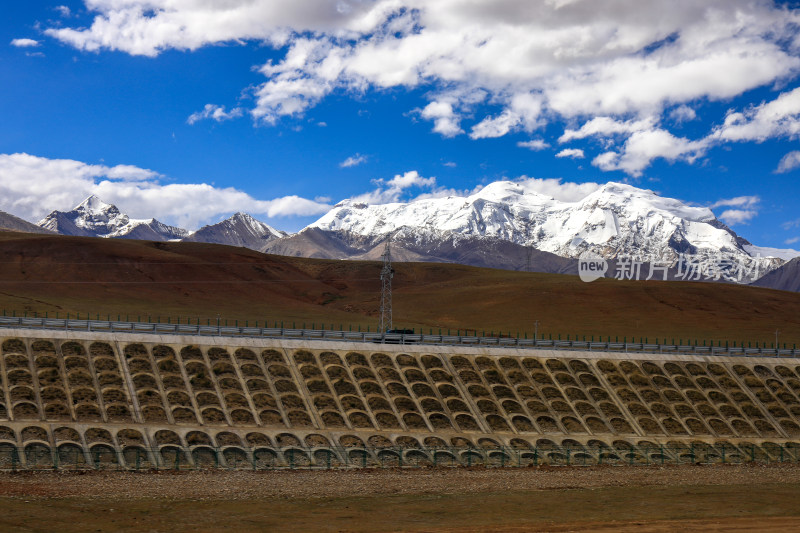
(138, 279)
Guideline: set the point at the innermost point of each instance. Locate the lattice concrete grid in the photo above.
(227, 400)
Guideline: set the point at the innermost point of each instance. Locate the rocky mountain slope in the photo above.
(10, 222)
(239, 230)
(785, 278)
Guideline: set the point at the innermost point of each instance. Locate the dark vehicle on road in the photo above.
(395, 336)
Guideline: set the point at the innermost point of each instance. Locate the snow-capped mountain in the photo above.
(239, 230)
(95, 218)
(616, 220)
(507, 224)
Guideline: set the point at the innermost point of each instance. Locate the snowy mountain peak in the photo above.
(623, 196)
(95, 218)
(94, 204)
(613, 220)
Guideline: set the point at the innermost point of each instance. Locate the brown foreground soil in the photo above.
(648, 499)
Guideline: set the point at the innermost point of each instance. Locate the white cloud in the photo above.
(64, 11)
(523, 112)
(607, 127)
(778, 118)
(533, 144)
(353, 161)
(644, 146)
(739, 201)
(214, 112)
(737, 216)
(573, 153)
(392, 190)
(533, 62)
(793, 240)
(24, 43)
(789, 162)
(683, 113)
(445, 120)
(410, 179)
(745, 209)
(450, 164)
(498, 126)
(31, 187)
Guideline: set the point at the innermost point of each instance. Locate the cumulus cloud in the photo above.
(778, 118)
(410, 179)
(572, 153)
(64, 11)
(445, 120)
(789, 162)
(745, 208)
(353, 161)
(533, 144)
(642, 147)
(529, 62)
(31, 187)
(24, 43)
(214, 112)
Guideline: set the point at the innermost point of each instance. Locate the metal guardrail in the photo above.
(387, 338)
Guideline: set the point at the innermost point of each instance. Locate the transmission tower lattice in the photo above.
(387, 273)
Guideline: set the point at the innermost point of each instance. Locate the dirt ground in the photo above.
(648, 499)
(142, 280)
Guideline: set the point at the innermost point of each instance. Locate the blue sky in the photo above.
(693, 99)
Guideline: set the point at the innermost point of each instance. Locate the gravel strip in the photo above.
(244, 485)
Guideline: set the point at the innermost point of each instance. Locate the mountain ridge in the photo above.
(506, 224)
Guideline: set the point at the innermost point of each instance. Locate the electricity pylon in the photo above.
(387, 273)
